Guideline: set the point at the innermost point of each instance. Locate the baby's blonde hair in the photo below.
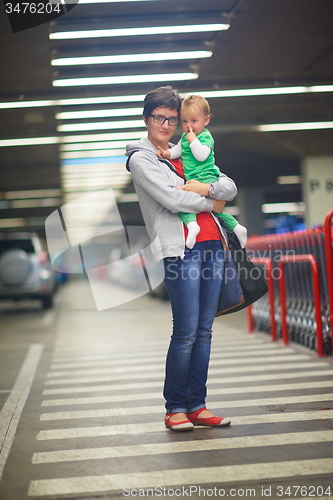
(198, 101)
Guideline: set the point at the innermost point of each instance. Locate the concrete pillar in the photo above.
(249, 200)
(317, 188)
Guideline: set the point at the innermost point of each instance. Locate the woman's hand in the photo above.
(196, 187)
(218, 206)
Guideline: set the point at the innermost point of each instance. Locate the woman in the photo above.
(193, 277)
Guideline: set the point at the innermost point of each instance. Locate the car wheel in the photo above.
(47, 302)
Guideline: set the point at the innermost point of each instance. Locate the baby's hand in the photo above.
(162, 153)
(190, 136)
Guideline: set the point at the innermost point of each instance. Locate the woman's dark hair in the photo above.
(162, 97)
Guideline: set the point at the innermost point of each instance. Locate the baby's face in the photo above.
(195, 118)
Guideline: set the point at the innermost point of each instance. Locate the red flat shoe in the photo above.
(211, 421)
(184, 425)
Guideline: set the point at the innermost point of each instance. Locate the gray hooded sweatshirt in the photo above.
(155, 182)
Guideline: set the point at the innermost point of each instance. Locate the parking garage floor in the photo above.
(82, 408)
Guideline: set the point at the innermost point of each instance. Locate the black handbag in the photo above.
(242, 282)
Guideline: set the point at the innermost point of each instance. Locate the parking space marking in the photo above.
(13, 407)
(48, 317)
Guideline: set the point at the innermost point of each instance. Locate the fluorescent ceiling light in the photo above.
(288, 179)
(123, 79)
(31, 193)
(86, 180)
(78, 101)
(33, 141)
(92, 182)
(27, 104)
(72, 176)
(78, 189)
(320, 88)
(100, 113)
(42, 202)
(270, 208)
(263, 91)
(129, 58)
(91, 154)
(110, 172)
(12, 222)
(112, 161)
(37, 141)
(100, 125)
(140, 97)
(99, 167)
(66, 181)
(254, 92)
(100, 100)
(103, 137)
(278, 127)
(95, 145)
(146, 31)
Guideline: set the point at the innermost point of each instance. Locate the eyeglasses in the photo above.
(159, 119)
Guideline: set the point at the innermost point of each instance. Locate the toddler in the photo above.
(196, 150)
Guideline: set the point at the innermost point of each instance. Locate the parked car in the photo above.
(25, 269)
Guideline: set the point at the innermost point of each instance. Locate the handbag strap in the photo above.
(224, 241)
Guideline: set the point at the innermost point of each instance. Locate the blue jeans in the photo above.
(194, 286)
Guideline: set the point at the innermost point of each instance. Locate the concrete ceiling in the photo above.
(270, 43)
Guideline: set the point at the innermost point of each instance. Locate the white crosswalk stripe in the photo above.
(153, 367)
(204, 475)
(218, 349)
(157, 395)
(213, 371)
(79, 346)
(76, 361)
(183, 447)
(113, 360)
(141, 410)
(222, 381)
(109, 430)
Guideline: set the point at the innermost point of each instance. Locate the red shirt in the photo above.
(208, 227)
